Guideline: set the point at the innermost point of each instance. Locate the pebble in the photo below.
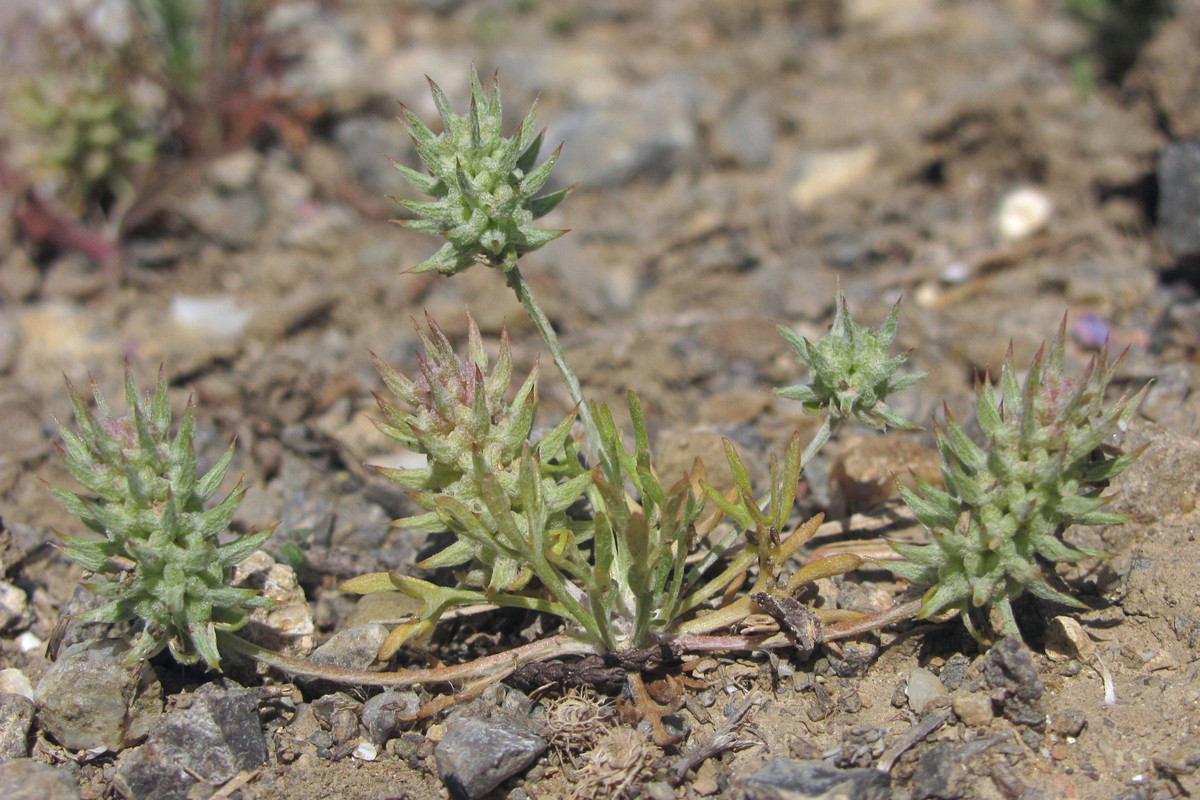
(89, 699)
(939, 775)
(365, 142)
(214, 738)
(26, 779)
(10, 342)
(381, 714)
(14, 605)
(476, 755)
(233, 220)
(14, 681)
(235, 171)
(789, 779)
(354, 648)
(287, 626)
(1022, 213)
(923, 688)
(646, 132)
(974, 709)
(744, 134)
(219, 317)
(1179, 197)
(822, 175)
(16, 721)
(1009, 668)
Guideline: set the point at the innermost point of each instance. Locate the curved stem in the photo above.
(870, 622)
(517, 283)
(500, 664)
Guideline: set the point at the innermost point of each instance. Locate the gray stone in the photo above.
(647, 132)
(233, 220)
(939, 775)
(1179, 197)
(743, 135)
(216, 737)
(354, 648)
(141, 774)
(923, 688)
(1009, 669)
(477, 755)
(382, 714)
(90, 699)
(789, 779)
(365, 142)
(16, 719)
(26, 779)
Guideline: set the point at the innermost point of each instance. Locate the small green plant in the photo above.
(636, 567)
(851, 374)
(157, 554)
(88, 137)
(1001, 516)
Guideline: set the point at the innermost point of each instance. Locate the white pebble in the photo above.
(219, 317)
(28, 642)
(1022, 213)
(366, 751)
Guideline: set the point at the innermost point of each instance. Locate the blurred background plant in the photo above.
(1117, 30)
(130, 95)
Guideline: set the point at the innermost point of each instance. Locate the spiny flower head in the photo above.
(455, 412)
(850, 371)
(477, 453)
(483, 184)
(159, 553)
(1006, 504)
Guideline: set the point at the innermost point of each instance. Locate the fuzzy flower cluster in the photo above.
(997, 525)
(484, 184)
(850, 371)
(472, 439)
(158, 552)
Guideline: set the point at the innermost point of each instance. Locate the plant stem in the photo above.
(517, 283)
(499, 664)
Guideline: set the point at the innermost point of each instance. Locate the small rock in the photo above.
(855, 659)
(477, 755)
(286, 627)
(141, 775)
(646, 132)
(213, 317)
(1069, 722)
(382, 714)
(974, 709)
(364, 141)
(234, 220)
(235, 171)
(16, 720)
(1022, 213)
(13, 681)
(1009, 669)
(1179, 197)
(90, 699)
(216, 737)
(939, 774)
(26, 779)
(743, 136)
(826, 174)
(923, 688)
(787, 779)
(353, 648)
(13, 606)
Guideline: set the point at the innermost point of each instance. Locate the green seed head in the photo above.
(483, 184)
(850, 371)
(158, 552)
(1042, 468)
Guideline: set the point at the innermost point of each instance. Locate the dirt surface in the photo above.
(878, 141)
